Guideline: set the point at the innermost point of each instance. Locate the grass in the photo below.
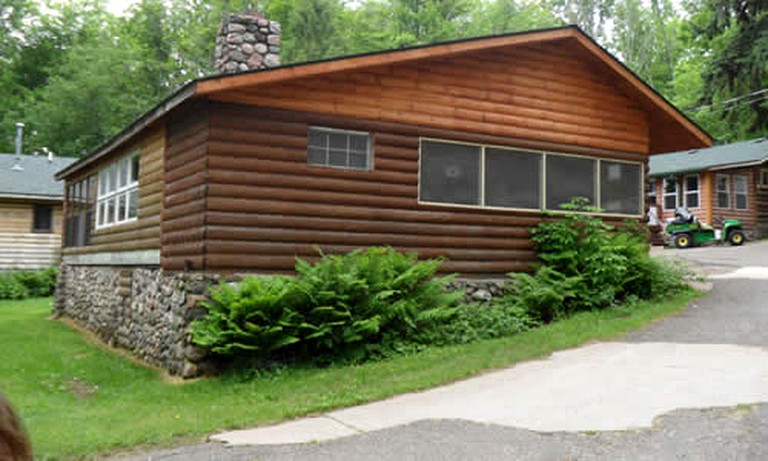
(79, 400)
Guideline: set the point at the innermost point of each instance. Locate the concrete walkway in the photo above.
(603, 386)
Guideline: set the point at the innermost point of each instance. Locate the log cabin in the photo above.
(716, 183)
(449, 150)
(30, 210)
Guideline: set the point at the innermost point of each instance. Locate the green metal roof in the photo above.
(713, 158)
(30, 176)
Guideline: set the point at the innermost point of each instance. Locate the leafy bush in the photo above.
(27, 284)
(478, 322)
(351, 307)
(587, 264)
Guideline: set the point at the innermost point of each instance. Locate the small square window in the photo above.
(43, 219)
(338, 148)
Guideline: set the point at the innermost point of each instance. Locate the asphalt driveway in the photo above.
(690, 387)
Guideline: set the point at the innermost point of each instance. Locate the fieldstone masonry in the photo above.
(247, 41)
(147, 310)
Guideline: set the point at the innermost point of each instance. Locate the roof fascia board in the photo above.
(184, 93)
(225, 83)
(619, 68)
(47, 198)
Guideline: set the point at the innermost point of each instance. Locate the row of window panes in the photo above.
(117, 208)
(499, 177)
(691, 190)
(340, 149)
(119, 175)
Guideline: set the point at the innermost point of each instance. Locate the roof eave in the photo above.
(51, 198)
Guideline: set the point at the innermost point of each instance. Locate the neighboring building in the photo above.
(453, 149)
(722, 182)
(30, 210)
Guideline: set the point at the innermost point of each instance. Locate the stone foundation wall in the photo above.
(148, 311)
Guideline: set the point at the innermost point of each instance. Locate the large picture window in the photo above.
(671, 193)
(691, 183)
(569, 177)
(476, 175)
(620, 186)
(339, 148)
(740, 190)
(118, 200)
(450, 173)
(723, 183)
(512, 178)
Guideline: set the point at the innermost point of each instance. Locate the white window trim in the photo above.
(368, 148)
(745, 194)
(727, 191)
(542, 180)
(653, 192)
(114, 195)
(697, 190)
(665, 194)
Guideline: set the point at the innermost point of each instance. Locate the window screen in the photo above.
(692, 191)
(450, 173)
(723, 184)
(670, 194)
(512, 178)
(620, 187)
(43, 218)
(569, 177)
(740, 192)
(340, 149)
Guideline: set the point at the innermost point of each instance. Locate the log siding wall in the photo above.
(264, 205)
(144, 232)
(531, 92)
(20, 247)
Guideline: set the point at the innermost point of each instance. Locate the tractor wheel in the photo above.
(736, 237)
(683, 240)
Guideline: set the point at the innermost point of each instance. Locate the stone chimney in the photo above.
(247, 41)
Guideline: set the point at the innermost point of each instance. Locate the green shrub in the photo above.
(27, 284)
(587, 264)
(351, 307)
(478, 322)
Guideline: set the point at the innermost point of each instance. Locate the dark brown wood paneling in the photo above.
(185, 188)
(265, 205)
(532, 93)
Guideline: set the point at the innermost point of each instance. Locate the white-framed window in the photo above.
(502, 177)
(670, 193)
(651, 193)
(691, 191)
(339, 148)
(118, 192)
(764, 178)
(723, 190)
(740, 192)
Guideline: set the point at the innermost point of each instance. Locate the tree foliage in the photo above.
(77, 74)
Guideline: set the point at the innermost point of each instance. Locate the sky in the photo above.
(119, 6)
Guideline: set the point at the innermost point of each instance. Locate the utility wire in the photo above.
(728, 101)
(735, 106)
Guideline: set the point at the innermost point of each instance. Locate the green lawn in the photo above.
(79, 400)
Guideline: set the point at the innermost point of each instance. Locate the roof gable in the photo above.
(29, 176)
(734, 155)
(669, 128)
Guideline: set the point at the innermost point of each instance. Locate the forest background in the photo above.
(77, 74)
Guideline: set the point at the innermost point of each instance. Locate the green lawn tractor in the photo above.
(685, 231)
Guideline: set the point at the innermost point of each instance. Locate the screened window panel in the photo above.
(569, 177)
(43, 218)
(512, 178)
(670, 194)
(723, 191)
(620, 188)
(692, 191)
(450, 173)
(740, 192)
